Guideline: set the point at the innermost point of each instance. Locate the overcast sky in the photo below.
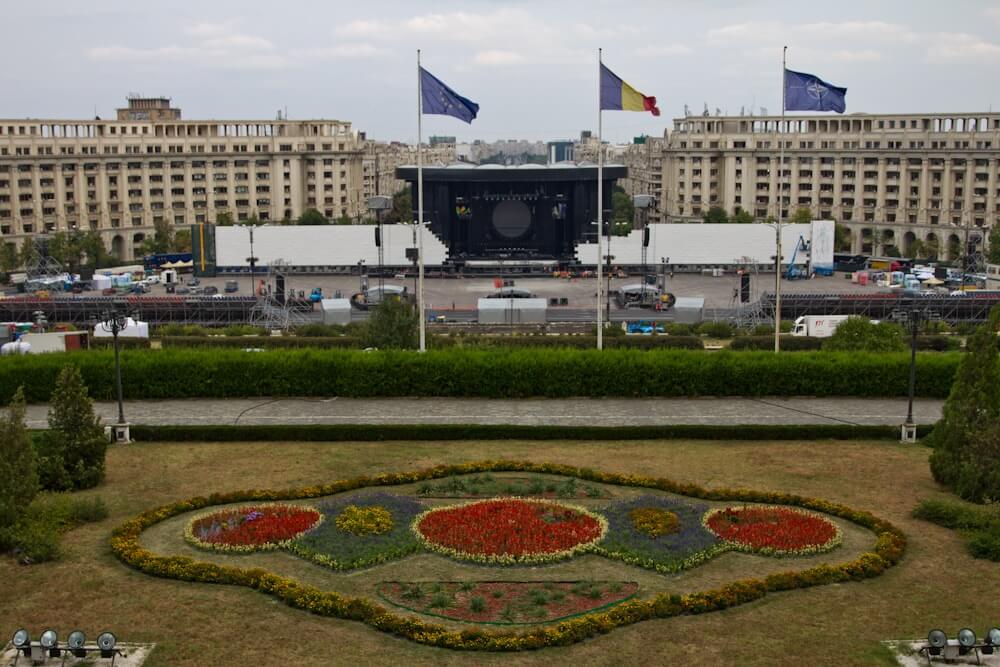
(531, 65)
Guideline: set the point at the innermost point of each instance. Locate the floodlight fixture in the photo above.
(49, 639)
(966, 640)
(991, 642)
(75, 643)
(21, 639)
(936, 641)
(106, 641)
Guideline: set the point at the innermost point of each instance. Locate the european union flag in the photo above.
(438, 98)
(806, 92)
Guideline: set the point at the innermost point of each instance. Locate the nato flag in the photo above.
(805, 92)
(438, 98)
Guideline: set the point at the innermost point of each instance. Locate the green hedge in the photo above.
(379, 432)
(788, 343)
(440, 342)
(222, 373)
(265, 342)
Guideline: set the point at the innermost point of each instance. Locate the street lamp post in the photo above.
(253, 263)
(913, 318)
(114, 322)
(380, 204)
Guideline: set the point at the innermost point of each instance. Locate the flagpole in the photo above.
(781, 203)
(420, 209)
(600, 206)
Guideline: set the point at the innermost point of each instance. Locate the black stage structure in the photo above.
(490, 215)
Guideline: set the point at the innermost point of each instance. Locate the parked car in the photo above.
(210, 290)
(194, 282)
(182, 290)
(232, 286)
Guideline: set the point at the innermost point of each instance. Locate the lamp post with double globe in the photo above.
(115, 321)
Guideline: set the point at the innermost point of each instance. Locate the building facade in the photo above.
(381, 159)
(892, 179)
(644, 159)
(120, 177)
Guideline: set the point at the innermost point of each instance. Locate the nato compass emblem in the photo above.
(816, 90)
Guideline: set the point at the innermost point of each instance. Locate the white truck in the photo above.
(817, 326)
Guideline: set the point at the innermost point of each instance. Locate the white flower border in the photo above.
(190, 537)
(506, 559)
(811, 550)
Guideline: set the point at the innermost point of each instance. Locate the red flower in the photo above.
(774, 529)
(254, 526)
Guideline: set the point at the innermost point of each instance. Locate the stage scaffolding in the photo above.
(972, 307)
(84, 311)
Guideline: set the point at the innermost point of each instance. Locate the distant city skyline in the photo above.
(530, 66)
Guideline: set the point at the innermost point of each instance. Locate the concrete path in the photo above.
(575, 411)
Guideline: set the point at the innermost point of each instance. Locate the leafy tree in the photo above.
(18, 477)
(954, 249)
(716, 214)
(930, 249)
(343, 220)
(94, 250)
(858, 334)
(8, 257)
(741, 216)
(621, 228)
(966, 456)
(802, 216)
(312, 217)
(994, 248)
(225, 219)
(72, 450)
(841, 237)
(392, 325)
(891, 251)
(161, 241)
(622, 208)
(26, 253)
(182, 241)
(402, 207)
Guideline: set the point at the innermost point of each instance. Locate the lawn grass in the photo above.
(936, 585)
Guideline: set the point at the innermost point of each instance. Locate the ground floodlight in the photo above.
(21, 639)
(106, 642)
(966, 640)
(937, 640)
(76, 640)
(49, 639)
(992, 641)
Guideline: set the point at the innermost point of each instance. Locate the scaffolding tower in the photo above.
(40, 265)
(750, 313)
(275, 309)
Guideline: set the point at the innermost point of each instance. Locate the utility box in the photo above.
(512, 311)
(336, 311)
(57, 341)
(689, 309)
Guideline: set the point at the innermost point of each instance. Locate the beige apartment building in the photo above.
(894, 178)
(121, 176)
(381, 159)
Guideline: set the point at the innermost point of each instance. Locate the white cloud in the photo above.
(361, 29)
(498, 57)
(238, 42)
(993, 13)
(347, 50)
(665, 50)
(961, 48)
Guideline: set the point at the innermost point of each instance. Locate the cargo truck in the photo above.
(817, 326)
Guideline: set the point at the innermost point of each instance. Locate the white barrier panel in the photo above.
(323, 245)
(704, 244)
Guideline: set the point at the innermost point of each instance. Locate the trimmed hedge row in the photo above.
(799, 343)
(221, 373)
(441, 342)
(887, 551)
(379, 432)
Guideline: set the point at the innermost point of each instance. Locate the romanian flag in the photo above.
(617, 95)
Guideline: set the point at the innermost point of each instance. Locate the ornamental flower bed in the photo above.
(506, 602)
(254, 528)
(687, 546)
(507, 531)
(340, 542)
(773, 530)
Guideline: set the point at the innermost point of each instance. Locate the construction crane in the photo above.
(794, 272)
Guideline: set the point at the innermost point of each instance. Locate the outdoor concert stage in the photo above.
(492, 214)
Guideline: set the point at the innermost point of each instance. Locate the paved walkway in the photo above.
(574, 411)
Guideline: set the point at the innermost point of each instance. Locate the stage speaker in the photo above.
(279, 288)
(645, 237)
(745, 288)
(378, 238)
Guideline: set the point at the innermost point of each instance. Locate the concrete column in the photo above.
(880, 195)
(838, 184)
(923, 216)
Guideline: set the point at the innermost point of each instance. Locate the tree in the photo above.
(802, 216)
(402, 207)
(161, 241)
(26, 253)
(716, 215)
(994, 248)
(966, 441)
(225, 219)
(182, 241)
(95, 251)
(392, 325)
(858, 334)
(18, 477)
(73, 449)
(343, 220)
(622, 208)
(930, 249)
(841, 237)
(312, 217)
(741, 216)
(8, 257)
